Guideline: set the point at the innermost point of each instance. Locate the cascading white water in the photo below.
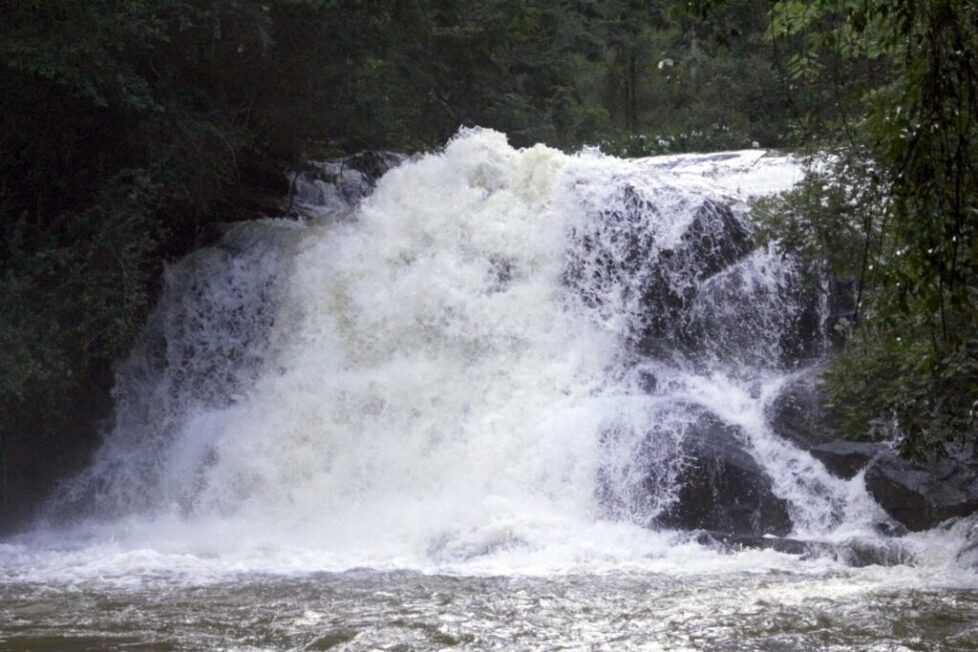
(466, 364)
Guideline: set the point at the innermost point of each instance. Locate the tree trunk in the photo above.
(631, 94)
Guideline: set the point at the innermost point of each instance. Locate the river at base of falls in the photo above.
(804, 609)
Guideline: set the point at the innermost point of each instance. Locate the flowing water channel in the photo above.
(455, 414)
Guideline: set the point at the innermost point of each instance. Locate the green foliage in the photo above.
(123, 129)
(913, 201)
(826, 219)
(893, 383)
(700, 83)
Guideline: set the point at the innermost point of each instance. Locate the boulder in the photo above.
(714, 240)
(865, 552)
(844, 459)
(619, 248)
(373, 164)
(729, 543)
(917, 494)
(722, 488)
(709, 299)
(798, 414)
(822, 308)
(262, 190)
(890, 528)
(920, 495)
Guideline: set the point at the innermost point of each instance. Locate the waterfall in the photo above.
(496, 349)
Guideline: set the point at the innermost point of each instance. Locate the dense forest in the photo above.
(131, 127)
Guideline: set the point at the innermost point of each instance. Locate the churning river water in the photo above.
(767, 609)
(448, 415)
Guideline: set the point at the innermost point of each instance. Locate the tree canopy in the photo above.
(903, 79)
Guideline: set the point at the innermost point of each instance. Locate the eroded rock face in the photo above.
(722, 488)
(917, 494)
(265, 191)
(691, 471)
(705, 300)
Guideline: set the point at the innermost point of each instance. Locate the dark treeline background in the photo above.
(130, 126)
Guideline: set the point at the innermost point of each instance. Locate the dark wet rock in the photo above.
(647, 381)
(917, 494)
(373, 164)
(613, 248)
(844, 459)
(709, 299)
(262, 190)
(619, 250)
(862, 552)
(214, 231)
(920, 495)
(703, 297)
(689, 471)
(855, 552)
(803, 340)
(823, 308)
(338, 184)
(727, 542)
(799, 415)
(722, 488)
(714, 241)
(890, 529)
(266, 189)
(260, 202)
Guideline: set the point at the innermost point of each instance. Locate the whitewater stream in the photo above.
(456, 412)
